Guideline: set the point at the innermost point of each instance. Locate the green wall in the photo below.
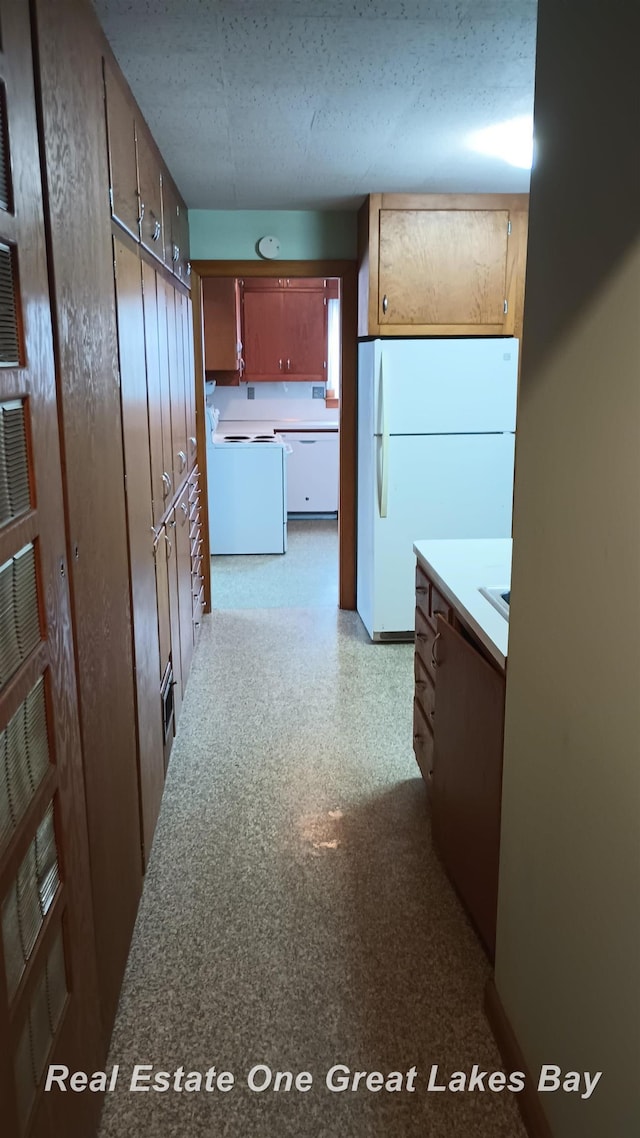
(228, 235)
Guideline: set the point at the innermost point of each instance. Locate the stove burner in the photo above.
(263, 439)
(237, 438)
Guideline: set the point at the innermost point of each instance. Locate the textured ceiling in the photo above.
(311, 104)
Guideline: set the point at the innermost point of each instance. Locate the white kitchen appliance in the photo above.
(436, 423)
(247, 488)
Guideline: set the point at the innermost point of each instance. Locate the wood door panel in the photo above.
(30, 390)
(173, 300)
(467, 775)
(76, 169)
(174, 611)
(221, 314)
(123, 166)
(185, 598)
(151, 233)
(262, 315)
(135, 431)
(442, 267)
(154, 391)
(162, 591)
(165, 391)
(304, 335)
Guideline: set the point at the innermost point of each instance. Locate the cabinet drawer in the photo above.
(425, 644)
(425, 691)
(423, 743)
(423, 592)
(439, 607)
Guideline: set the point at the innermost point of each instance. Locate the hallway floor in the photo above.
(294, 913)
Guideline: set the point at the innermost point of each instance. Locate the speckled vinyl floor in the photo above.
(294, 914)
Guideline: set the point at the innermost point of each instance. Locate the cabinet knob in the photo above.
(141, 212)
(288, 365)
(175, 254)
(169, 545)
(434, 658)
(280, 364)
(192, 440)
(156, 231)
(385, 304)
(183, 460)
(166, 481)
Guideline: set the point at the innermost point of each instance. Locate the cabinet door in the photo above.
(160, 551)
(467, 774)
(262, 316)
(123, 167)
(174, 610)
(443, 267)
(185, 595)
(159, 485)
(189, 380)
(162, 293)
(151, 234)
(49, 1010)
(304, 335)
(221, 317)
(176, 385)
(135, 433)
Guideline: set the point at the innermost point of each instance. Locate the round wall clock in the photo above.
(269, 248)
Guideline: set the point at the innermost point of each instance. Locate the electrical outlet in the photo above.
(317, 392)
(251, 393)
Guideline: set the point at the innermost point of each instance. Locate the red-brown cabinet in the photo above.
(284, 330)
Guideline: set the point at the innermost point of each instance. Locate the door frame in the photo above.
(347, 272)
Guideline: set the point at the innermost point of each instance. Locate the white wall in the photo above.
(272, 401)
(568, 947)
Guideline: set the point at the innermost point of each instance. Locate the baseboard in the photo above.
(532, 1114)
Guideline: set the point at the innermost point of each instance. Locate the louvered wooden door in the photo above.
(48, 989)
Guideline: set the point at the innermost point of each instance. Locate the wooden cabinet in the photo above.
(185, 583)
(173, 310)
(222, 333)
(176, 231)
(123, 163)
(150, 187)
(457, 737)
(284, 331)
(144, 199)
(442, 265)
(135, 432)
(196, 543)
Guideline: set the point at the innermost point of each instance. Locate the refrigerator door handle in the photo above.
(383, 465)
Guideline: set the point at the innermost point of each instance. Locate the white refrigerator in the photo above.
(436, 423)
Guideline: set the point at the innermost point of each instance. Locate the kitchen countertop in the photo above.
(260, 426)
(459, 568)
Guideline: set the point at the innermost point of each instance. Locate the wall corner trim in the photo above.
(533, 1116)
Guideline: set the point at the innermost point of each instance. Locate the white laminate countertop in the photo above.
(262, 426)
(459, 568)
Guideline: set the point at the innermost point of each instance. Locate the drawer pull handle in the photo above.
(434, 658)
(166, 482)
(422, 590)
(385, 304)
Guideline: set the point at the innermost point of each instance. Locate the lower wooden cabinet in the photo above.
(457, 737)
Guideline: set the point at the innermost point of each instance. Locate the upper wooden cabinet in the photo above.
(123, 164)
(143, 197)
(150, 186)
(284, 330)
(222, 334)
(442, 265)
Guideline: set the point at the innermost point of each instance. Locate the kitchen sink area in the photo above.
(499, 597)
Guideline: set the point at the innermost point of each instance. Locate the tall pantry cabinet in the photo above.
(100, 591)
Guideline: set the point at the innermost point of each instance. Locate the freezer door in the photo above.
(443, 486)
(445, 386)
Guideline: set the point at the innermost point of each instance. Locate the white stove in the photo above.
(247, 479)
